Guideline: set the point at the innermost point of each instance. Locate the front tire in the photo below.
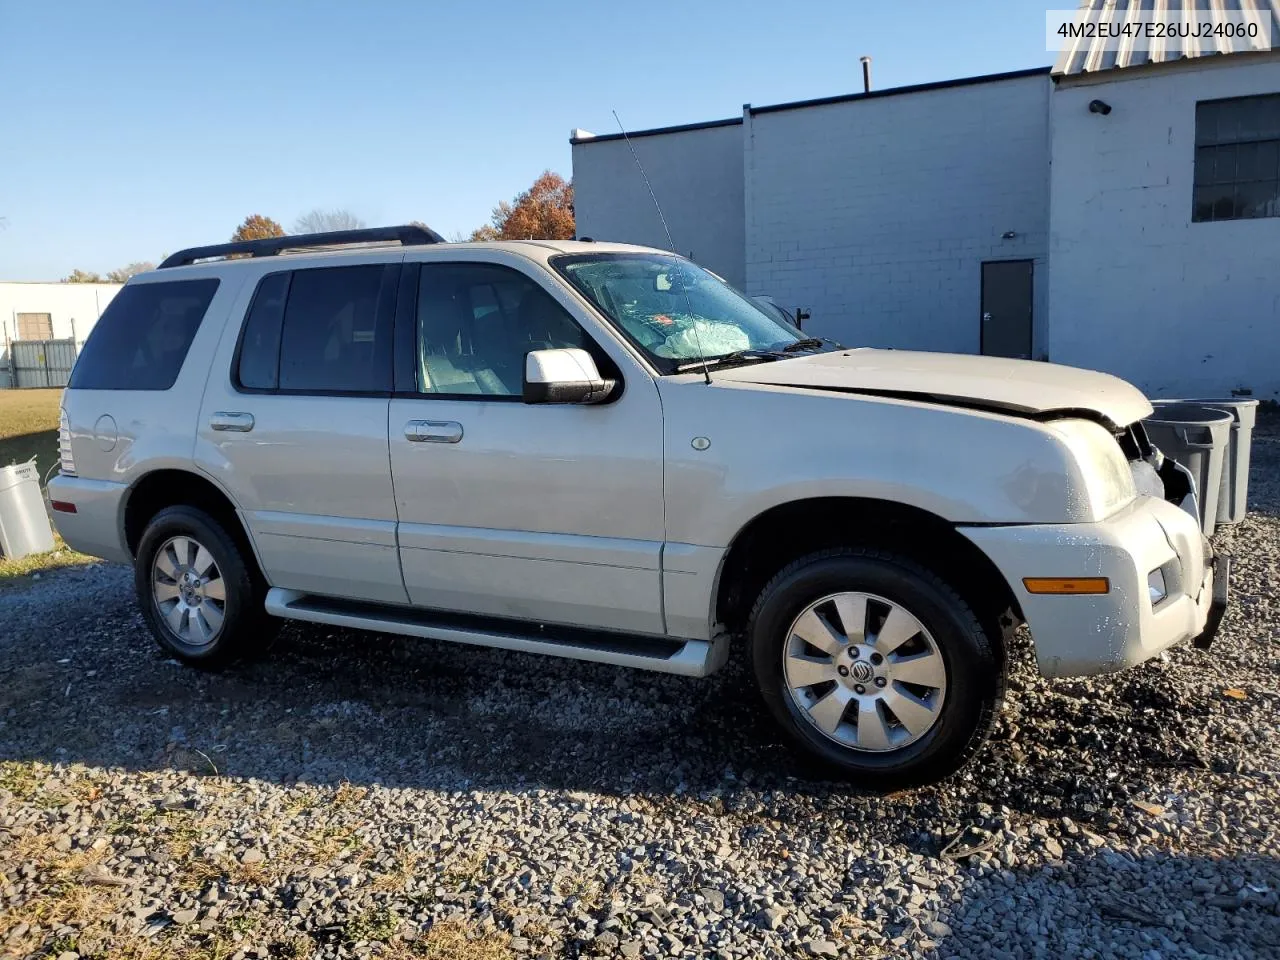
(196, 591)
(876, 666)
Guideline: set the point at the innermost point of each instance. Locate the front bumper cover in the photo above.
(1218, 605)
(1086, 635)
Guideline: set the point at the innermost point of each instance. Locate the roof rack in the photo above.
(408, 235)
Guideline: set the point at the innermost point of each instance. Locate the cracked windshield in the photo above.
(679, 313)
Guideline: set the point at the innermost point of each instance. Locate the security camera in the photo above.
(1099, 106)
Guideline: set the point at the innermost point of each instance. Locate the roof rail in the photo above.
(408, 235)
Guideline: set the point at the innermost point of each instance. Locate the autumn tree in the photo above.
(123, 274)
(82, 276)
(323, 221)
(257, 227)
(543, 212)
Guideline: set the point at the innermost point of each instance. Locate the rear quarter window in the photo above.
(142, 338)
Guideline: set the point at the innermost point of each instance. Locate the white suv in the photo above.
(604, 452)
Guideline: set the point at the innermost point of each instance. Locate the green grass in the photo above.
(29, 427)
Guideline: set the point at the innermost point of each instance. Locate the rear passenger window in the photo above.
(259, 367)
(331, 340)
(142, 338)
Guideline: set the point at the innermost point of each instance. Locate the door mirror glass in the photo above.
(564, 375)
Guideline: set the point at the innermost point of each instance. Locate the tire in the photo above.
(959, 669)
(199, 623)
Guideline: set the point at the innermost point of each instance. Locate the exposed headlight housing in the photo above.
(1157, 590)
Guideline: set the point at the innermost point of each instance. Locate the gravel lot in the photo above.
(354, 795)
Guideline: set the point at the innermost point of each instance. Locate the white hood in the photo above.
(993, 383)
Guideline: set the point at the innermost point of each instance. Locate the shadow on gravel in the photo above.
(1118, 905)
(86, 684)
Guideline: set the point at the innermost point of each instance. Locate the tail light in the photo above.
(66, 462)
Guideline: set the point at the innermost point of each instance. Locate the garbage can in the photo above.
(1233, 498)
(24, 523)
(1196, 437)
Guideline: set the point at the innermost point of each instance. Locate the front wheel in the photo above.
(876, 666)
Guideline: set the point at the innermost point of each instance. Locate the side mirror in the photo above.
(564, 375)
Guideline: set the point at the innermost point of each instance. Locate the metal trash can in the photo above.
(1196, 437)
(24, 522)
(1233, 498)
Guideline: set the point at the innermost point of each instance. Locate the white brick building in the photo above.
(902, 217)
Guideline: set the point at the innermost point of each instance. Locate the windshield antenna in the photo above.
(684, 287)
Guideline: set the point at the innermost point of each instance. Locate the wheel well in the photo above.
(171, 488)
(792, 530)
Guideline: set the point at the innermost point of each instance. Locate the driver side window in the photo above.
(476, 323)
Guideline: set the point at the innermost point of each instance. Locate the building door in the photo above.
(1006, 308)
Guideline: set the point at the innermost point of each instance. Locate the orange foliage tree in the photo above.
(257, 227)
(543, 212)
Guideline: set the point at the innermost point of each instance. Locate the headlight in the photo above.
(1102, 466)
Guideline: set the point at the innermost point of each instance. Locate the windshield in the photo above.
(679, 313)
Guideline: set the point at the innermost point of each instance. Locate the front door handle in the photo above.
(433, 431)
(235, 422)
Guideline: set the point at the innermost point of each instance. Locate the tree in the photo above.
(123, 274)
(322, 221)
(543, 212)
(82, 276)
(257, 227)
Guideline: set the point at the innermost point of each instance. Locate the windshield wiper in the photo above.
(738, 356)
(809, 343)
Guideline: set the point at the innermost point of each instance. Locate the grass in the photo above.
(29, 428)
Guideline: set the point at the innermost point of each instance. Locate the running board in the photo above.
(688, 658)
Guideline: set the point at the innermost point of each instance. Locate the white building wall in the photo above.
(697, 178)
(73, 308)
(876, 213)
(1179, 308)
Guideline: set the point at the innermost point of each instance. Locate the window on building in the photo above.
(334, 339)
(35, 326)
(476, 323)
(1237, 163)
(142, 338)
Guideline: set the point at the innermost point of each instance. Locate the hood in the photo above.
(1023, 387)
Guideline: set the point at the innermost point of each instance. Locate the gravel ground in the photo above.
(355, 795)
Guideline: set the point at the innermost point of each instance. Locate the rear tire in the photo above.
(903, 694)
(198, 594)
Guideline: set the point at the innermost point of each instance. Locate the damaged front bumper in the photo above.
(1082, 635)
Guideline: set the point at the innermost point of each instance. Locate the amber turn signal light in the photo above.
(1071, 585)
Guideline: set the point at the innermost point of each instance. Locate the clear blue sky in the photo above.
(130, 129)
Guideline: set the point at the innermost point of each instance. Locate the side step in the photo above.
(688, 658)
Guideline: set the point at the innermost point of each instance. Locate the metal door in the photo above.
(1007, 287)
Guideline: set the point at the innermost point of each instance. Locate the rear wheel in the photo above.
(875, 665)
(197, 592)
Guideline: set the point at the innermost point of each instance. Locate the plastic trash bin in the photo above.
(1233, 498)
(24, 522)
(1196, 437)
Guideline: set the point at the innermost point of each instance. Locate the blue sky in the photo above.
(130, 129)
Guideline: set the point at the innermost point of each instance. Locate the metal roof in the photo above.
(1092, 55)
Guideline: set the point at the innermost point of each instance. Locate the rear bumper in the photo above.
(1085, 635)
(97, 526)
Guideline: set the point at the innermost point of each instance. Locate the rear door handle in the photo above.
(235, 422)
(433, 431)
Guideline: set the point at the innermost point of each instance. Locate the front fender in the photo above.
(766, 446)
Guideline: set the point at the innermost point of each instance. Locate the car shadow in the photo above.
(84, 683)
